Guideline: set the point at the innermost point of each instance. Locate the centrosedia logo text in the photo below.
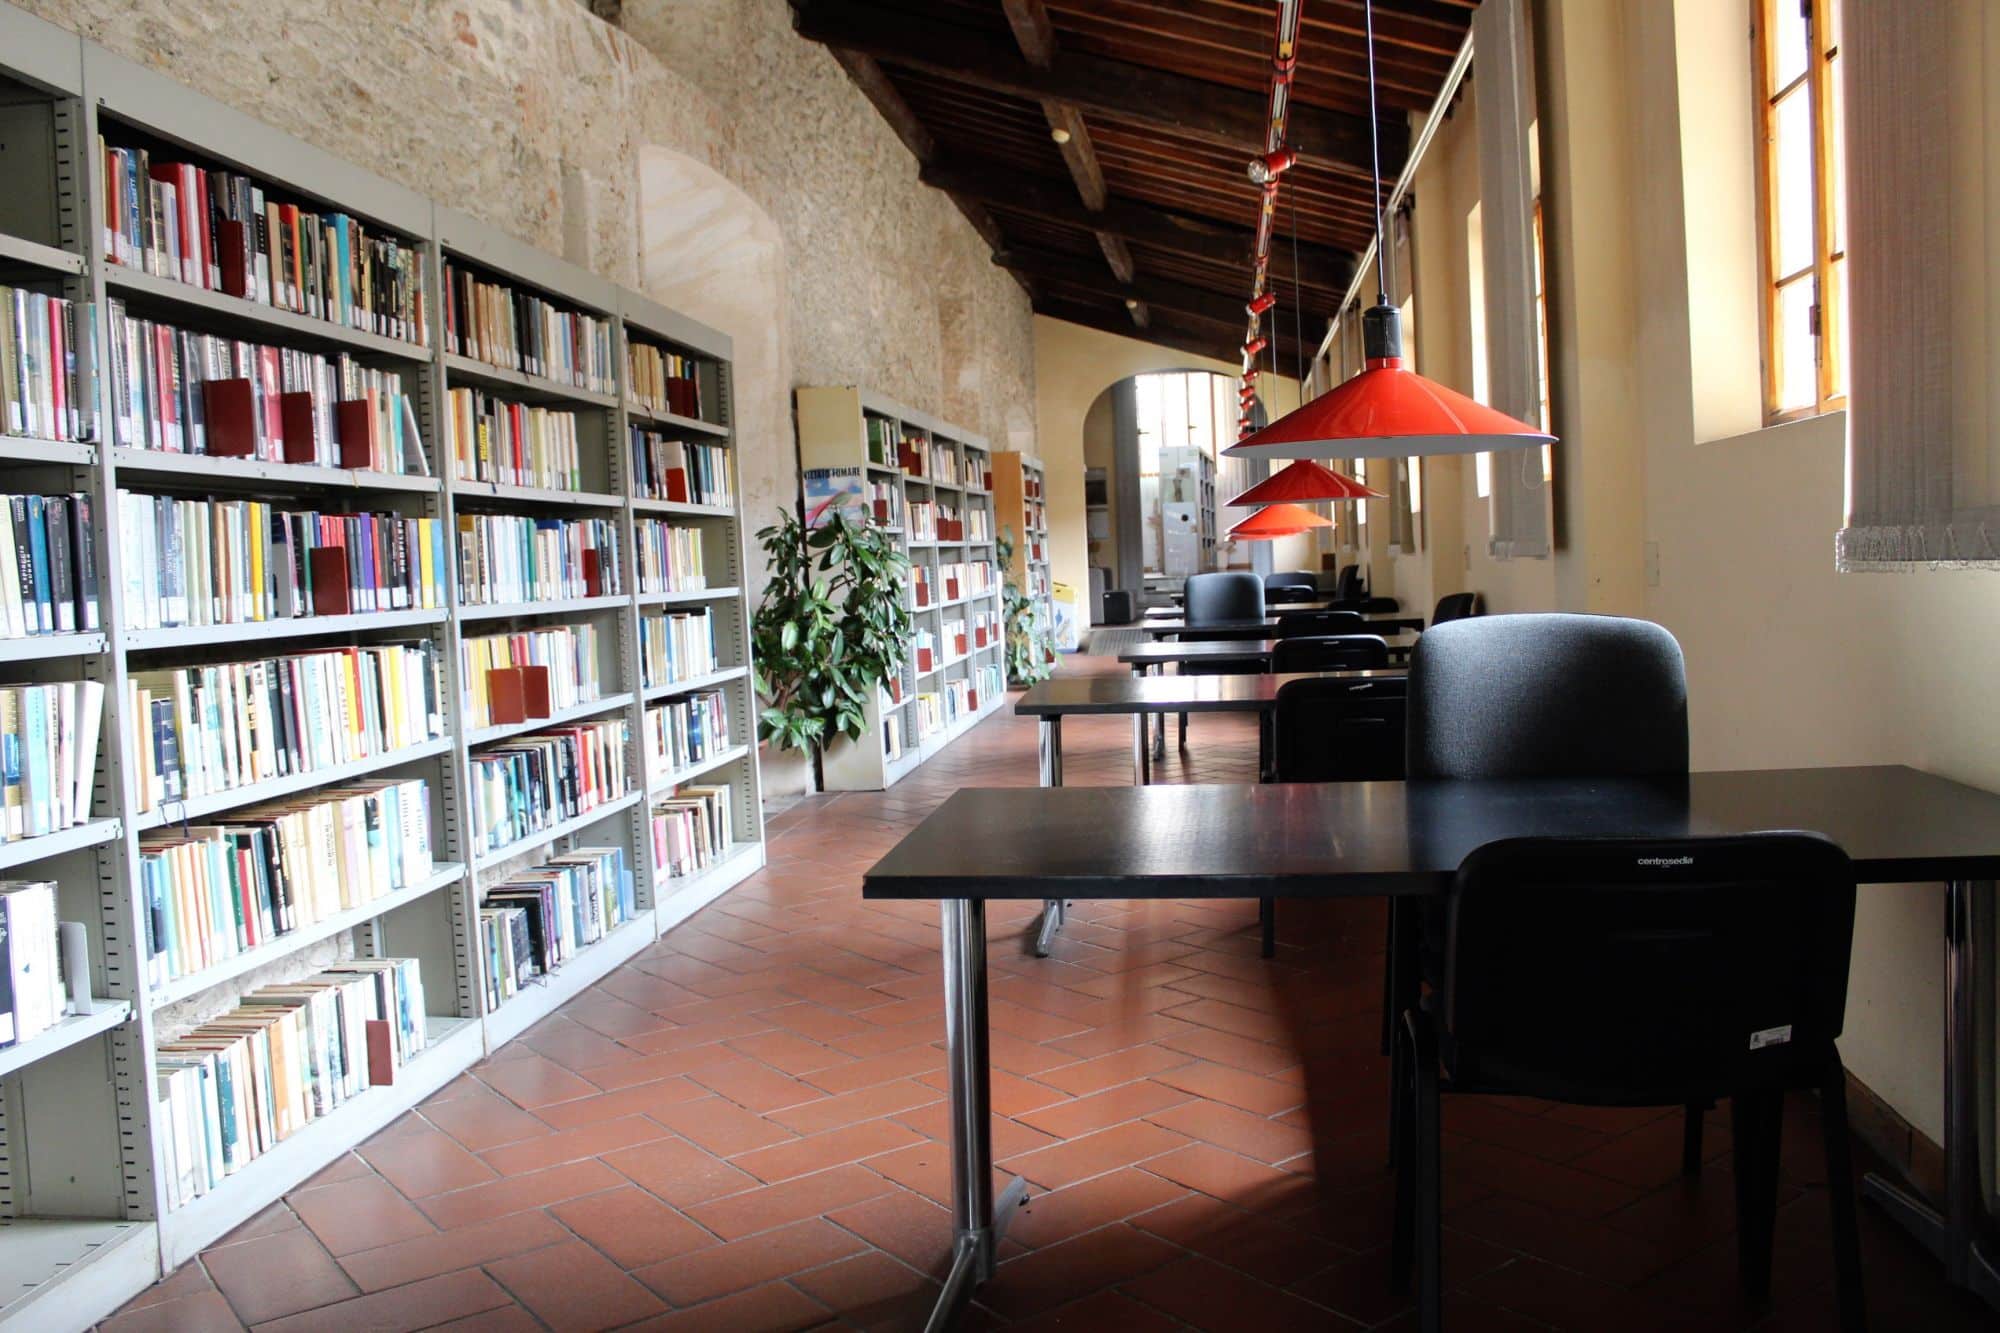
(1666, 860)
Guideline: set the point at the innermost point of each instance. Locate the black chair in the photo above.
(1295, 586)
(1211, 599)
(1640, 972)
(1332, 731)
(1331, 652)
(1457, 606)
(1299, 624)
(1347, 587)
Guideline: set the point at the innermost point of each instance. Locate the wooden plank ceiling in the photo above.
(1101, 146)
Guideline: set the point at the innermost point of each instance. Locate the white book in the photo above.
(89, 724)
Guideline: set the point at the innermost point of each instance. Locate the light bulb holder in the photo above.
(1382, 332)
(1269, 166)
(1262, 303)
(1256, 345)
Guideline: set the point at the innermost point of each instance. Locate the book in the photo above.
(571, 659)
(511, 444)
(690, 829)
(669, 556)
(37, 999)
(48, 756)
(682, 471)
(503, 325)
(48, 564)
(515, 558)
(48, 387)
(663, 381)
(530, 783)
(539, 919)
(684, 731)
(677, 646)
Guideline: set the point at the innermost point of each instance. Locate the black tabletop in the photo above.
(1251, 629)
(1244, 649)
(1067, 696)
(1374, 838)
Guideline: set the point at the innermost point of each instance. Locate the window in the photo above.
(1803, 205)
(1183, 418)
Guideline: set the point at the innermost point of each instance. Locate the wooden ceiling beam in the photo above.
(1036, 263)
(1197, 108)
(1166, 329)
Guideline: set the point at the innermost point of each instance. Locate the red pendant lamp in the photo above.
(1278, 520)
(1306, 482)
(1388, 410)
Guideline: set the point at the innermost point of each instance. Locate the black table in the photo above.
(1381, 622)
(1400, 839)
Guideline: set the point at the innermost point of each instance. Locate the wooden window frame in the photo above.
(1828, 318)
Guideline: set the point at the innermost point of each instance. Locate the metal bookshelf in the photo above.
(1020, 502)
(833, 432)
(83, 1217)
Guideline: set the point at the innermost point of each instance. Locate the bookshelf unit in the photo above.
(844, 429)
(84, 1215)
(1020, 503)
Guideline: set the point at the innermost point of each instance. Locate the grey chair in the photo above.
(1217, 599)
(1457, 606)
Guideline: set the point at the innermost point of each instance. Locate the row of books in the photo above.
(680, 470)
(48, 366)
(48, 565)
(690, 830)
(663, 381)
(220, 231)
(677, 646)
(669, 556)
(541, 918)
(504, 326)
(217, 891)
(235, 1087)
(48, 756)
(923, 650)
(565, 662)
(965, 578)
(685, 731)
(512, 558)
(885, 503)
(238, 562)
(929, 713)
(954, 701)
(44, 963)
(971, 524)
(922, 521)
(885, 441)
(208, 729)
(940, 461)
(534, 782)
(177, 391)
(514, 444)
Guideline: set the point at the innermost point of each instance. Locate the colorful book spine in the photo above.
(530, 783)
(670, 557)
(48, 756)
(49, 581)
(504, 326)
(685, 731)
(539, 919)
(566, 662)
(48, 366)
(680, 470)
(677, 646)
(690, 830)
(506, 558)
(512, 444)
(663, 381)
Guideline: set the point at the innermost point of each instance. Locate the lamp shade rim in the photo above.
(1389, 411)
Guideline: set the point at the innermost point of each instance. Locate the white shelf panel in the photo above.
(300, 627)
(689, 598)
(672, 421)
(81, 1027)
(463, 368)
(268, 320)
(155, 462)
(21, 251)
(41, 647)
(196, 982)
(656, 692)
(562, 717)
(554, 606)
(22, 851)
(680, 897)
(548, 993)
(200, 807)
(34, 449)
(648, 506)
(661, 785)
(453, 1045)
(543, 495)
(554, 832)
(70, 1273)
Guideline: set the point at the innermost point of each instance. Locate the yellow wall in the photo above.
(1073, 365)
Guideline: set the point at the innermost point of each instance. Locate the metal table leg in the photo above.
(1160, 728)
(1953, 1235)
(977, 1220)
(1051, 775)
(1142, 765)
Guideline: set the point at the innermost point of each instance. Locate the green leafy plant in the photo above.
(832, 625)
(1029, 641)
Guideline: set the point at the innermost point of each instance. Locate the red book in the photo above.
(676, 479)
(381, 1053)
(506, 696)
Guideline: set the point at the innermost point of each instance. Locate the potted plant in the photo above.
(1030, 655)
(831, 626)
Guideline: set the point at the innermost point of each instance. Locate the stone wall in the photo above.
(534, 116)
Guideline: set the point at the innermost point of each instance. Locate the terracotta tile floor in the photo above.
(740, 1131)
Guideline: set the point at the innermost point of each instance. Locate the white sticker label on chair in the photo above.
(1770, 1037)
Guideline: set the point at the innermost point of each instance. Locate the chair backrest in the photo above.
(1457, 606)
(1298, 624)
(1330, 652)
(1348, 586)
(1300, 580)
(1339, 730)
(1547, 696)
(1218, 597)
(1647, 971)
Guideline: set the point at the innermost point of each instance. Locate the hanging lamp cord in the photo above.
(1375, 155)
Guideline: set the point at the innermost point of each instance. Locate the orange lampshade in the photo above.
(1278, 520)
(1306, 482)
(1388, 411)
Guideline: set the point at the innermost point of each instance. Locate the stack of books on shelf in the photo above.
(219, 231)
(211, 893)
(923, 521)
(685, 731)
(236, 1087)
(44, 963)
(992, 681)
(506, 558)
(956, 644)
(541, 918)
(885, 442)
(48, 366)
(513, 444)
(965, 578)
(531, 673)
(232, 562)
(985, 629)
(924, 650)
(48, 756)
(181, 392)
(961, 700)
(538, 781)
(669, 557)
(922, 594)
(664, 381)
(49, 581)
(691, 830)
(978, 526)
(207, 730)
(978, 470)
(680, 471)
(950, 527)
(885, 503)
(504, 326)
(930, 713)
(676, 647)
(941, 462)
